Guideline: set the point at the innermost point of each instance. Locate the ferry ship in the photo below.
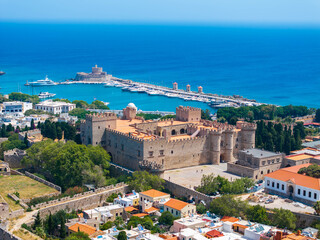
(42, 82)
(2, 73)
(44, 95)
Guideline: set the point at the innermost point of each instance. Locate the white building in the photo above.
(104, 214)
(287, 182)
(131, 200)
(55, 107)
(15, 107)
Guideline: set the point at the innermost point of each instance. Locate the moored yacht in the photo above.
(44, 95)
(42, 82)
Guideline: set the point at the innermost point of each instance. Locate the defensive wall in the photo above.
(49, 184)
(14, 157)
(303, 220)
(181, 191)
(5, 235)
(85, 200)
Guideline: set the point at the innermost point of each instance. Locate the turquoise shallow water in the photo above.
(273, 65)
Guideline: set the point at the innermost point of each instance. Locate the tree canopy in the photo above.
(311, 171)
(69, 164)
(143, 181)
(211, 184)
(263, 112)
(275, 137)
(149, 116)
(15, 96)
(166, 218)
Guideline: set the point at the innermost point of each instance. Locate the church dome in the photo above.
(131, 105)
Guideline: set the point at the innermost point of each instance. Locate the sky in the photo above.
(296, 12)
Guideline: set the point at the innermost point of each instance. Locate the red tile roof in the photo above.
(176, 204)
(213, 234)
(154, 193)
(229, 219)
(140, 215)
(291, 174)
(82, 228)
(151, 210)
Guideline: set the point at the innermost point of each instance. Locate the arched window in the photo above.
(182, 131)
(173, 132)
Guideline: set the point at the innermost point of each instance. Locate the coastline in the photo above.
(225, 101)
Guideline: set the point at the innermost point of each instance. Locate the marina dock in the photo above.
(213, 100)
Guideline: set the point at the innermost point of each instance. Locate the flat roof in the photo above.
(314, 144)
(297, 157)
(255, 152)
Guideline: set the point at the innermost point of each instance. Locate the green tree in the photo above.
(226, 205)
(317, 117)
(37, 221)
(79, 112)
(283, 218)
(32, 126)
(80, 104)
(98, 105)
(50, 225)
(201, 209)
(143, 181)
(68, 163)
(78, 236)
(205, 114)
(258, 214)
(317, 207)
(122, 235)
(106, 226)
(63, 232)
(25, 140)
(166, 218)
(59, 132)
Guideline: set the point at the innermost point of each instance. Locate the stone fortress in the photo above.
(161, 145)
(97, 75)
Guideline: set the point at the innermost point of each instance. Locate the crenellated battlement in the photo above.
(246, 126)
(101, 116)
(125, 135)
(187, 109)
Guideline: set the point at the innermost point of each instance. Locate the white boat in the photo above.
(109, 84)
(142, 89)
(126, 88)
(153, 92)
(42, 82)
(133, 89)
(44, 95)
(171, 95)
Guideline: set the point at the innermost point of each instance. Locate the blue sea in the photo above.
(279, 65)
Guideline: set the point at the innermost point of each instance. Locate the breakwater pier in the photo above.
(213, 100)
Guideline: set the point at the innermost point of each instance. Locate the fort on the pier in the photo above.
(161, 145)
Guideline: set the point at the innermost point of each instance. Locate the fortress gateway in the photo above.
(161, 145)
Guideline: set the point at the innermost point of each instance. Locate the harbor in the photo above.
(213, 100)
(97, 76)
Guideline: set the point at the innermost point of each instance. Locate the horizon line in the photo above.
(169, 23)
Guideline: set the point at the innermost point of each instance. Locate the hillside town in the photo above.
(77, 170)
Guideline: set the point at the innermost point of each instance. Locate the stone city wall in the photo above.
(85, 200)
(242, 171)
(16, 199)
(16, 214)
(181, 191)
(5, 235)
(49, 184)
(14, 157)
